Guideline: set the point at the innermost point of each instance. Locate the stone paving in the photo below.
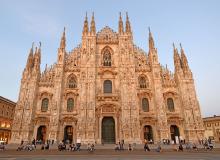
(104, 153)
(108, 155)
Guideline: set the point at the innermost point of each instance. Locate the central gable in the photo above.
(107, 36)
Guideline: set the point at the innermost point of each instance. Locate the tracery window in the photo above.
(107, 86)
(107, 58)
(44, 104)
(145, 105)
(143, 83)
(170, 104)
(70, 104)
(72, 82)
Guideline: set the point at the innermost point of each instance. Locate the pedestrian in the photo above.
(22, 142)
(146, 147)
(122, 144)
(159, 149)
(130, 147)
(181, 147)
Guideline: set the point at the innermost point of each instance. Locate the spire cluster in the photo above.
(92, 29)
(180, 60)
(127, 25)
(34, 58)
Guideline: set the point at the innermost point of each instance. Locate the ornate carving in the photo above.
(107, 35)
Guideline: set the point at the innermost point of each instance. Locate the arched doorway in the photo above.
(174, 132)
(148, 133)
(41, 134)
(108, 130)
(68, 134)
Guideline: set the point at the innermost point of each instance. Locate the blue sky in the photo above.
(196, 24)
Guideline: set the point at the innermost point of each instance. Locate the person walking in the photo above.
(146, 147)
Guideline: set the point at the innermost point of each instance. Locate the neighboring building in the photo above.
(212, 127)
(7, 109)
(105, 90)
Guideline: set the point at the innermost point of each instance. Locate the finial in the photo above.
(150, 34)
(181, 47)
(127, 15)
(32, 45)
(40, 44)
(86, 16)
(174, 46)
(149, 29)
(45, 68)
(93, 15)
(120, 16)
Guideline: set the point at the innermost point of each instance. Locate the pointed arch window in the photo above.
(145, 105)
(72, 82)
(107, 58)
(170, 104)
(44, 104)
(70, 104)
(107, 86)
(143, 82)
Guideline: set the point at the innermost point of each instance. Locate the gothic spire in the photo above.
(30, 58)
(177, 60)
(37, 57)
(86, 26)
(39, 52)
(184, 59)
(151, 40)
(120, 25)
(92, 27)
(128, 26)
(63, 40)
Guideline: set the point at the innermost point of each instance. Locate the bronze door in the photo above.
(108, 130)
(68, 134)
(41, 133)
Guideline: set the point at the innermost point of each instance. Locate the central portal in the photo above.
(108, 130)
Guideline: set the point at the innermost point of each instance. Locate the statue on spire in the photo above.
(92, 27)
(184, 59)
(120, 25)
(151, 40)
(86, 26)
(63, 40)
(128, 26)
(30, 59)
(177, 60)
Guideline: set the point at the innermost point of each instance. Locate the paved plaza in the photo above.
(104, 153)
(109, 155)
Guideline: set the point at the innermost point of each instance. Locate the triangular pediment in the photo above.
(107, 35)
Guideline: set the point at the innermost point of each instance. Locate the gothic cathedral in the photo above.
(105, 90)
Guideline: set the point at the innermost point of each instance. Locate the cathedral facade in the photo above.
(105, 90)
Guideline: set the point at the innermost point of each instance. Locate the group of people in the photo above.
(119, 146)
(32, 146)
(206, 143)
(69, 147)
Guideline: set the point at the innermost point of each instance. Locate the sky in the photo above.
(195, 24)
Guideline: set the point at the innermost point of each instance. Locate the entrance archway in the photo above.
(174, 132)
(68, 134)
(148, 133)
(108, 130)
(41, 133)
